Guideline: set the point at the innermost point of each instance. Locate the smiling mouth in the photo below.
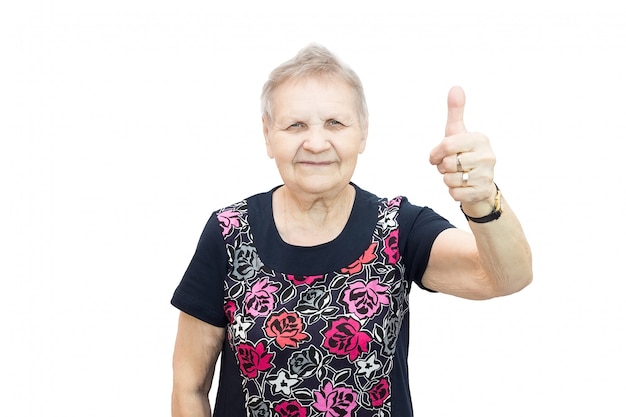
(315, 163)
(315, 166)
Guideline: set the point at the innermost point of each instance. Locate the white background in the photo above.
(124, 123)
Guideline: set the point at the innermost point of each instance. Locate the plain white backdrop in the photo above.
(124, 123)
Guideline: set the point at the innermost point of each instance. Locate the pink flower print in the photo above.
(304, 279)
(290, 409)
(253, 359)
(228, 220)
(391, 247)
(395, 202)
(367, 257)
(379, 393)
(286, 327)
(344, 337)
(260, 300)
(365, 300)
(335, 401)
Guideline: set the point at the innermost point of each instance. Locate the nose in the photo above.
(317, 139)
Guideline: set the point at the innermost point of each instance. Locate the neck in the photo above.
(311, 220)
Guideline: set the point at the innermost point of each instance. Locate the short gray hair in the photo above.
(313, 61)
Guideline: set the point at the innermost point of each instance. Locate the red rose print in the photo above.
(229, 310)
(344, 337)
(391, 247)
(253, 359)
(379, 393)
(286, 327)
(367, 257)
(304, 279)
(290, 409)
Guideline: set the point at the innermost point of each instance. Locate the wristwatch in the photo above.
(495, 213)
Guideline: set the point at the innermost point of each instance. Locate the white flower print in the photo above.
(283, 382)
(389, 220)
(240, 325)
(368, 365)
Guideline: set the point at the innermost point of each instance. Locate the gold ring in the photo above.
(459, 166)
(464, 179)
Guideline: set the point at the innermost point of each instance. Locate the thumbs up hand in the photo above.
(466, 160)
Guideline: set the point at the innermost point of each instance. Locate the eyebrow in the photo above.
(345, 117)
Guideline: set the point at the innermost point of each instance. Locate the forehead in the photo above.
(313, 94)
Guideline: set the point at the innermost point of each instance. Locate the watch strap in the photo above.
(495, 213)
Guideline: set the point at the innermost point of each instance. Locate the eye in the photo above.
(296, 125)
(334, 122)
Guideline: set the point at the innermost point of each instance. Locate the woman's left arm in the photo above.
(492, 261)
(495, 259)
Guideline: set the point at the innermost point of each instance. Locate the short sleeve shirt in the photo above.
(311, 331)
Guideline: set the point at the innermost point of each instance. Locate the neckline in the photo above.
(338, 253)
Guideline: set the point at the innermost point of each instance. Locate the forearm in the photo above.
(190, 404)
(198, 345)
(504, 253)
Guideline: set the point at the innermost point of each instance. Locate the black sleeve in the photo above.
(419, 227)
(201, 290)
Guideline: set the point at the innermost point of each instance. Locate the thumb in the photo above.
(456, 106)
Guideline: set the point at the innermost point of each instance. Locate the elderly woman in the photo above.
(304, 289)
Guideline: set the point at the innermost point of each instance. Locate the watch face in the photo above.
(498, 198)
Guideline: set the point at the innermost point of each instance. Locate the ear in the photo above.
(364, 131)
(266, 129)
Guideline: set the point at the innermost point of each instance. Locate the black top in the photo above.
(201, 291)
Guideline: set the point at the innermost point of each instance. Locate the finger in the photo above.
(451, 146)
(449, 164)
(459, 179)
(456, 106)
(479, 180)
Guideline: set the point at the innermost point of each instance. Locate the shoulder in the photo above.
(367, 200)
(236, 214)
(258, 198)
(408, 211)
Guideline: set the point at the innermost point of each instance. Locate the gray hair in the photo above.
(313, 61)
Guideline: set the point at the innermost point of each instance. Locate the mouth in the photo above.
(315, 163)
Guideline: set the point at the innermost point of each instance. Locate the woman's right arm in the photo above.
(198, 345)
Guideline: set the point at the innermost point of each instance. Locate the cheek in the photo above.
(269, 150)
(282, 153)
(353, 150)
(280, 148)
(351, 144)
(362, 145)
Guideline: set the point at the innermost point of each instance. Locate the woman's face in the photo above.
(314, 134)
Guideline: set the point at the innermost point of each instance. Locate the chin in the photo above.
(317, 186)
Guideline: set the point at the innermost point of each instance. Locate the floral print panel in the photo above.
(315, 345)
